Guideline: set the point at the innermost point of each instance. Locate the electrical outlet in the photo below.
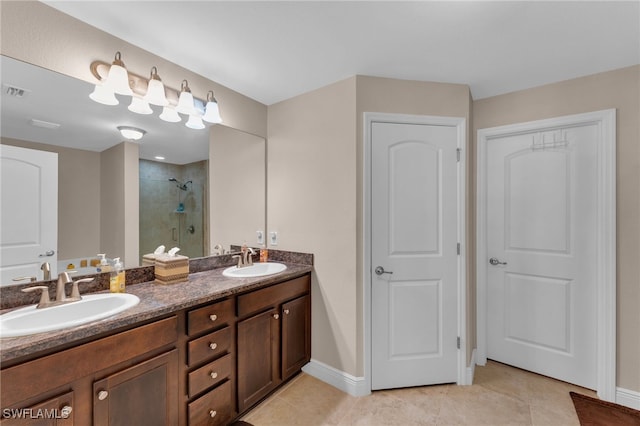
(260, 237)
(273, 238)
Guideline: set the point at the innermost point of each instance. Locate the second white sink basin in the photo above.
(255, 270)
(92, 307)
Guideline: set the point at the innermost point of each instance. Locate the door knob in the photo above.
(494, 261)
(380, 270)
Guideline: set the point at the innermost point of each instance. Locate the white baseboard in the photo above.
(471, 369)
(355, 386)
(628, 398)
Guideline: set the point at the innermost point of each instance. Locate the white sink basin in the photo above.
(255, 270)
(92, 307)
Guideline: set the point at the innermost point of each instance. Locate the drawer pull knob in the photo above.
(213, 317)
(66, 411)
(276, 316)
(213, 346)
(286, 312)
(102, 395)
(212, 413)
(214, 375)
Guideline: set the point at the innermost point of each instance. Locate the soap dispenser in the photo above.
(117, 279)
(103, 266)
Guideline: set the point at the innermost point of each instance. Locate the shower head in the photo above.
(180, 185)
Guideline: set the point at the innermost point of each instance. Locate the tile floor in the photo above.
(500, 395)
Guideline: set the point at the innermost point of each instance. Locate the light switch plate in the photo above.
(273, 238)
(260, 237)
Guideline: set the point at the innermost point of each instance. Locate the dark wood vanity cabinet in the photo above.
(201, 366)
(112, 380)
(274, 337)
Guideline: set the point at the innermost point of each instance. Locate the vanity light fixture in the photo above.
(212, 111)
(118, 78)
(115, 79)
(185, 101)
(131, 133)
(155, 90)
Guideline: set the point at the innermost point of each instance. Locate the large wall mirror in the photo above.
(208, 189)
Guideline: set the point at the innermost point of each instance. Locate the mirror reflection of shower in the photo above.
(173, 207)
(180, 185)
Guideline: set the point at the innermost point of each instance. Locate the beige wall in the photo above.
(79, 210)
(38, 34)
(119, 227)
(237, 189)
(619, 89)
(311, 187)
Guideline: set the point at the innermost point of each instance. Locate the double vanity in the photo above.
(201, 352)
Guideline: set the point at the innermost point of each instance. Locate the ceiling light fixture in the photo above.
(131, 133)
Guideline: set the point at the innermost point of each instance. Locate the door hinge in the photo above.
(458, 151)
(458, 249)
(458, 342)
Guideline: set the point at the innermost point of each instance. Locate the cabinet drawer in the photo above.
(213, 408)
(209, 346)
(209, 317)
(209, 375)
(271, 296)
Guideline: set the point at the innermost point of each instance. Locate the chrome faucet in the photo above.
(46, 269)
(244, 258)
(61, 297)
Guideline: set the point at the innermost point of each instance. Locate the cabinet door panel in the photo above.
(57, 411)
(296, 333)
(145, 394)
(258, 357)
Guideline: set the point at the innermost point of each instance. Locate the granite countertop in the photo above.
(156, 300)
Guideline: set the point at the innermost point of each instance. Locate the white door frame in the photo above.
(460, 124)
(605, 234)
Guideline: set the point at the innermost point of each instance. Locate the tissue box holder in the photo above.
(171, 269)
(149, 259)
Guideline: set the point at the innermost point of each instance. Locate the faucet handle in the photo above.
(44, 296)
(75, 292)
(249, 255)
(239, 256)
(31, 279)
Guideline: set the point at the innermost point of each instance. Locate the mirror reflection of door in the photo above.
(29, 219)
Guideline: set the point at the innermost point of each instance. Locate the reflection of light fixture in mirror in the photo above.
(185, 102)
(212, 112)
(103, 94)
(170, 115)
(159, 157)
(118, 78)
(155, 90)
(131, 133)
(139, 106)
(194, 122)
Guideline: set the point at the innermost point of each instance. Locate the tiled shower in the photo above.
(173, 213)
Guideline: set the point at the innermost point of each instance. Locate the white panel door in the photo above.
(541, 228)
(29, 212)
(413, 238)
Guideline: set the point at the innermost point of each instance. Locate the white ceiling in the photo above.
(271, 51)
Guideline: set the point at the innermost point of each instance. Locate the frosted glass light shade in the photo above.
(212, 113)
(139, 106)
(118, 80)
(194, 122)
(131, 133)
(104, 94)
(170, 115)
(185, 103)
(155, 93)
